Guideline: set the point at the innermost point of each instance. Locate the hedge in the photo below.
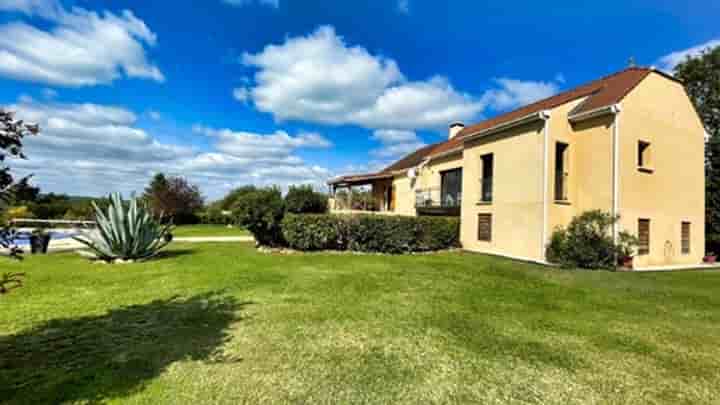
(370, 233)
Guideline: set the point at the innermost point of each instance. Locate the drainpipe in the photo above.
(545, 115)
(615, 109)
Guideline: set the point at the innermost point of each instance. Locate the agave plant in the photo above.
(128, 231)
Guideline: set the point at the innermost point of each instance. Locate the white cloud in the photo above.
(241, 94)
(319, 78)
(514, 93)
(240, 3)
(80, 47)
(395, 143)
(94, 149)
(669, 61)
(403, 6)
(258, 146)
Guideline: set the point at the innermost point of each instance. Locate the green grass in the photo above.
(224, 324)
(185, 231)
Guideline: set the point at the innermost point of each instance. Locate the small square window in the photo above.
(644, 156)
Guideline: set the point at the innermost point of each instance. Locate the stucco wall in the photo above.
(658, 111)
(517, 193)
(404, 196)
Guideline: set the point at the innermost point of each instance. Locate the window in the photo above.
(644, 236)
(561, 175)
(485, 227)
(451, 188)
(644, 157)
(486, 193)
(685, 238)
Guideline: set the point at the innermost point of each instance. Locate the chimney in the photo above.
(455, 129)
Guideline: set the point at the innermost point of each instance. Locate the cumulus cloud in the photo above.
(514, 93)
(240, 3)
(94, 149)
(669, 61)
(395, 143)
(74, 48)
(320, 78)
(241, 94)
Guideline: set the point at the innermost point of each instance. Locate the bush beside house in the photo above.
(587, 242)
(371, 233)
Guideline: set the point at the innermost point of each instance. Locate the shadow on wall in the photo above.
(94, 358)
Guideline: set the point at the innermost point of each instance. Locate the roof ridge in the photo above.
(562, 93)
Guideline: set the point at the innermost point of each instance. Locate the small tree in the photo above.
(261, 212)
(174, 198)
(701, 76)
(233, 196)
(588, 242)
(305, 200)
(12, 133)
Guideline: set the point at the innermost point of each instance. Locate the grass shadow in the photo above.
(172, 253)
(94, 358)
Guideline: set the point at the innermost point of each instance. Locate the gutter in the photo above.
(532, 117)
(597, 112)
(545, 116)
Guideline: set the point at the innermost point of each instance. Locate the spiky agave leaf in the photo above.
(126, 231)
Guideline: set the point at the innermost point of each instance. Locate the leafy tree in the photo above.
(233, 196)
(174, 198)
(12, 133)
(305, 200)
(701, 76)
(261, 212)
(25, 192)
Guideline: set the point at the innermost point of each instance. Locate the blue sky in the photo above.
(230, 92)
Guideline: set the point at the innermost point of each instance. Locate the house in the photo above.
(630, 143)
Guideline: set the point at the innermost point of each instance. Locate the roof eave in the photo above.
(597, 112)
(526, 119)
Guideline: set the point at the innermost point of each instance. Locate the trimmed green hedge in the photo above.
(370, 233)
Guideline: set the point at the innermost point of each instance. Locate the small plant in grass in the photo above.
(128, 231)
(587, 242)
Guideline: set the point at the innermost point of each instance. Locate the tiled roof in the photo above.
(600, 93)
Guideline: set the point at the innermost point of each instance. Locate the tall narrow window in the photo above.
(486, 193)
(644, 155)
(685, 238)
(561, 174)
(644, 236)
(485, 227)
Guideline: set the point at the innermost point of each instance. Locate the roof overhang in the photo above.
(527, 119)
(597, 112)
(359, 179)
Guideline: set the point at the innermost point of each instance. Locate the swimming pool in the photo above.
(23, 237)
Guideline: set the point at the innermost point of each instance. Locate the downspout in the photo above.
(616, 169)
(545, 115)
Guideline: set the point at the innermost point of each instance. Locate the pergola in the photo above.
(349, 183)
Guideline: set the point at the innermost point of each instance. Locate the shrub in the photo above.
(213, 215)
(588, 243)
(375, 233)
(370, 233)
(437, 233)
(304, 200)
(21, 212)
(313, 232)
(128, 231)
(261, 212)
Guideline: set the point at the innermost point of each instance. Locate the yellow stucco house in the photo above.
(630, 143)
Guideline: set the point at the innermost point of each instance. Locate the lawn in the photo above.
(184, 231)
(223, 324)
